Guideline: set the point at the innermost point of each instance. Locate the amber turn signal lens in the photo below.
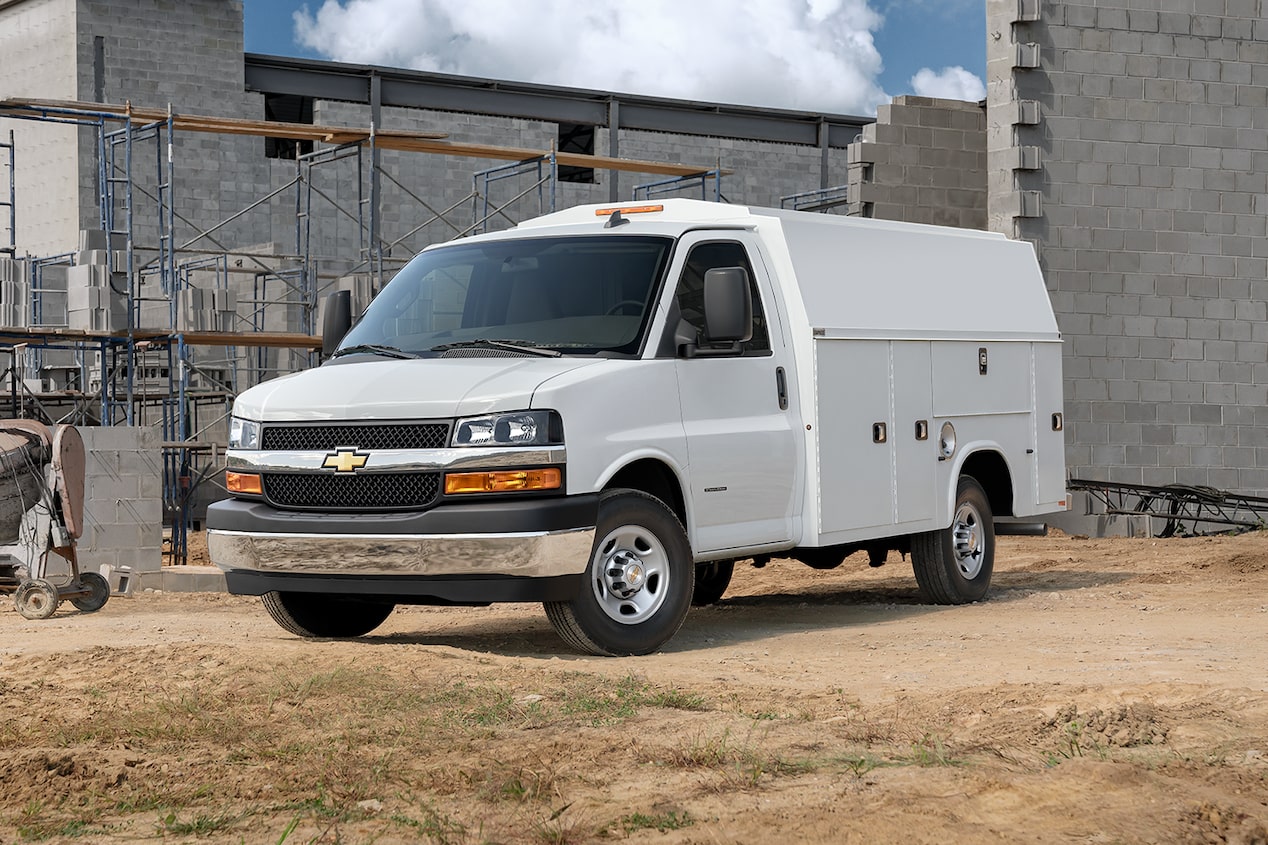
(503, 481)
(243, 482)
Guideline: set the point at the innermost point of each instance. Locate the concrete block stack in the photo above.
(49, 295)
(923, 161)
(194, 312)
(123, 503)
(224, 305)
(96, 294)
(14, 284)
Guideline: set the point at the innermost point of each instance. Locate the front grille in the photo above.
(363, 492)
(433, 435)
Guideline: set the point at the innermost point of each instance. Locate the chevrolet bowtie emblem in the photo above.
(345, 460)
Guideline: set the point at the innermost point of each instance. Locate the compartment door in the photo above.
(856, 473)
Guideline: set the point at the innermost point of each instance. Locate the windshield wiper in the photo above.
(510, 345)
(373, 349)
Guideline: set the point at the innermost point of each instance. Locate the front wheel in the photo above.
(317, 615)
(638, 585)
(96, 592)
(954, 565)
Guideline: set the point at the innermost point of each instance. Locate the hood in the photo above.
(385, 389)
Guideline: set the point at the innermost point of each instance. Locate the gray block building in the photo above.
(1129, 142)
(1126, 139)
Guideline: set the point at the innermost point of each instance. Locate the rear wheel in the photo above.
(712, 579)
(317, 615)
(638, 585)
(954, 565)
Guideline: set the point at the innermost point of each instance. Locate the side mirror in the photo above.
(728, 305)
(337, 320)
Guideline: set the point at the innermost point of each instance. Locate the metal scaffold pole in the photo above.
(12, 204)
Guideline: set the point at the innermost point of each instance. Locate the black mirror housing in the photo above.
(337, 320)
(728, 305)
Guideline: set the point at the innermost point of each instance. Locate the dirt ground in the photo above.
(1109, 691)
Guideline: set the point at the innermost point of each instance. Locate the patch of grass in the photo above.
(523, 785)
(742, 764)
(199, 825)
(482, 706)
(38, 829)
(432, 824)
(603, 702)
(860, 765)
(139, 804)
(317, 742)
(931, 750)
(559, 829)
(663, 822)
(317, 807)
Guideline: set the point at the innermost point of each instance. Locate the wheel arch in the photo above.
(655, 478)
(990, 469)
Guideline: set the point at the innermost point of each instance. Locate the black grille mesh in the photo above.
(363, 492)
(358, 435)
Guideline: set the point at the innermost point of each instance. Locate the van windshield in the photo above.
(575, 295)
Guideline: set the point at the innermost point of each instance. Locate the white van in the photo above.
(603, 409)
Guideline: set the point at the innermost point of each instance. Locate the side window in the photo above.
(690, 294)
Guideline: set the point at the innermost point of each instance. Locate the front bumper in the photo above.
(533, 550)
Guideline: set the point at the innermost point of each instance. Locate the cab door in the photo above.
(736, 405)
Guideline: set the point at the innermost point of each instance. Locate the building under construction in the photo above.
(176, 209)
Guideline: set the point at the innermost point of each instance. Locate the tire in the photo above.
(316, 615)
(712, 579)
(954, 565)
(98, 592)
(639, 583)
(36, 599)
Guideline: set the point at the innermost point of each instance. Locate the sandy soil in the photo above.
(1110, 691)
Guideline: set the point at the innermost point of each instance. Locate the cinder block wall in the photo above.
(1130, 145)
(123, 507)
(37, 43)
(188, 55)
(923, 161)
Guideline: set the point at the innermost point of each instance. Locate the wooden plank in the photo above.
(220, 125)
(390, 139)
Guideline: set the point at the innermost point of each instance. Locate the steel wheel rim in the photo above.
(968, 541)
(36, 599)
(630, 574)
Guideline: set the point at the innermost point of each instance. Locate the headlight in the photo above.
(243, 434)
(518, 428)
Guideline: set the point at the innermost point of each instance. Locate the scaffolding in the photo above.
(686, 182)
(823, 199)
(159, 368)
(10, 244)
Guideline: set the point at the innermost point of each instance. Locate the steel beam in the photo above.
(468, 95)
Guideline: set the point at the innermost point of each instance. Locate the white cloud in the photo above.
(795, 54)
(951, 83)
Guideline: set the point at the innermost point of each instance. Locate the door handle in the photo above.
(781, 387)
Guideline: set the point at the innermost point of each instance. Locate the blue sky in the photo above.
(851, 55)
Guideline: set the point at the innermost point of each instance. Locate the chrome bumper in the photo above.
(541, 554)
